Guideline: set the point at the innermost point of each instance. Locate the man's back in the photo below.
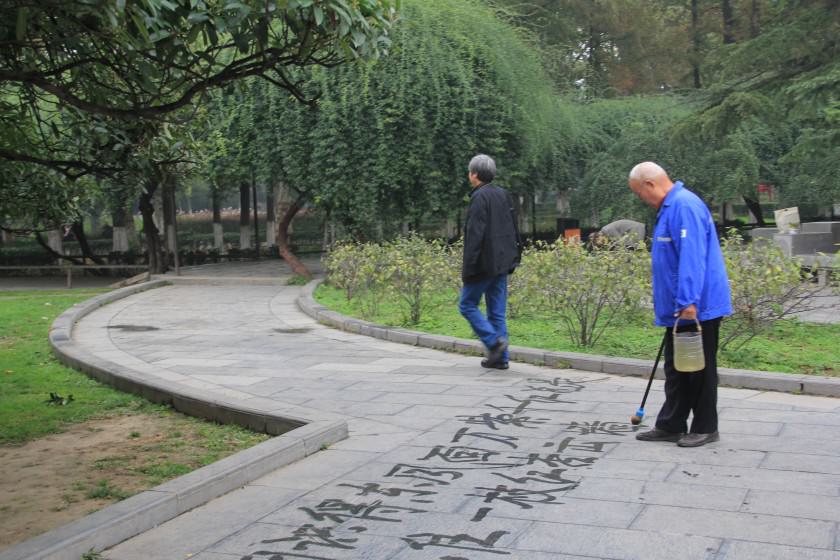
(490, 238)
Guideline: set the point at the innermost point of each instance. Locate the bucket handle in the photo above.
(696, 320)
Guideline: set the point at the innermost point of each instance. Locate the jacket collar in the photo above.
(669, 198)
(476, 189)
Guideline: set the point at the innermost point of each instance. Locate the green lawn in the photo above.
(29, 373)
(791, 346)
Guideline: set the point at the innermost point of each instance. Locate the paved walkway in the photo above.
(448, 461)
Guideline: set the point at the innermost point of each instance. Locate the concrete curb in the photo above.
(296, 437)
(219, 280)
(740, 378)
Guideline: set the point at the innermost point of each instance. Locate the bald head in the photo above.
(650, 183)
(647, 170)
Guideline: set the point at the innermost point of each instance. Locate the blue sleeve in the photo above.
(690, 235)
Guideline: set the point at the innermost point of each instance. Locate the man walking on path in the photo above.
(689, 284)
(491, 252)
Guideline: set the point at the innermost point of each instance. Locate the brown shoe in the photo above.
(696, 440)
(658, 435)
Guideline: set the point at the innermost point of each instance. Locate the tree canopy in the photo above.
(390, 139)
(93, 88)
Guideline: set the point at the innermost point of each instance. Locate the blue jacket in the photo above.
(687, 261)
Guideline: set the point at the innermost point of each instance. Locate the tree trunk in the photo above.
(595, 61)
(95, 222)
(58, 256)
(754, 17)
(449, 228)
(218, 228)
(695, 44)
(256, 216)
(79, 232)
(55, 241)
(169, 215)
(244, 216)
(171, 219)
(288, 214)
(270, 232)
(158, 208)
(533, 215)
(131, 228)
(154, 247)
(119, 235)
(755, 208)
(728, 22)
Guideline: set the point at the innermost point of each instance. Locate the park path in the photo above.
(446, 460)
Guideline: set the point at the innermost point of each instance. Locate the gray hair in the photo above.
(646, 170)
(484, 167)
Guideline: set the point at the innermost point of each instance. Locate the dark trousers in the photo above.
(489, 329)
(691, 392)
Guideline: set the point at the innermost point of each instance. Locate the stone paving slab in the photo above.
(532, 463)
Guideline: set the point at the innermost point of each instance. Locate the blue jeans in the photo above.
(489, 329)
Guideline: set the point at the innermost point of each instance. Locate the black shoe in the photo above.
(486, 363)
(497, 352)
(696, 440)
(658, 435)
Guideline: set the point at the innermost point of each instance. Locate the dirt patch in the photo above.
(54, 480)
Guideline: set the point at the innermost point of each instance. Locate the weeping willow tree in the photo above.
(394, 136)
(388, 144)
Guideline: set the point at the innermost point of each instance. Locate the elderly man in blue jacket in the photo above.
(491, 252)
(689, 284)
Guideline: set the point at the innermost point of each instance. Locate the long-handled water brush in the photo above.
(636, 419)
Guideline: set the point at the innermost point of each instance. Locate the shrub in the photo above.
(416, 269)
(766, 286)
(407, 271)
(360, 270)
(585, 289)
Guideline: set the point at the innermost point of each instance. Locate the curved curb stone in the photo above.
(741, 378)
(295, 439)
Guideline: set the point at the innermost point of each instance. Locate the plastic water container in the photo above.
(688, 350)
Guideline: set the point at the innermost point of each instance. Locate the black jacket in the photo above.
(491, 236)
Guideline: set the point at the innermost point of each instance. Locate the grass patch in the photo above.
(298, 280)
(790, 346)
(30, 372)
(120, 443)
(104, 491)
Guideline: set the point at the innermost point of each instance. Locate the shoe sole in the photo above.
(499, 366)
(672, 439)
(699, 444)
